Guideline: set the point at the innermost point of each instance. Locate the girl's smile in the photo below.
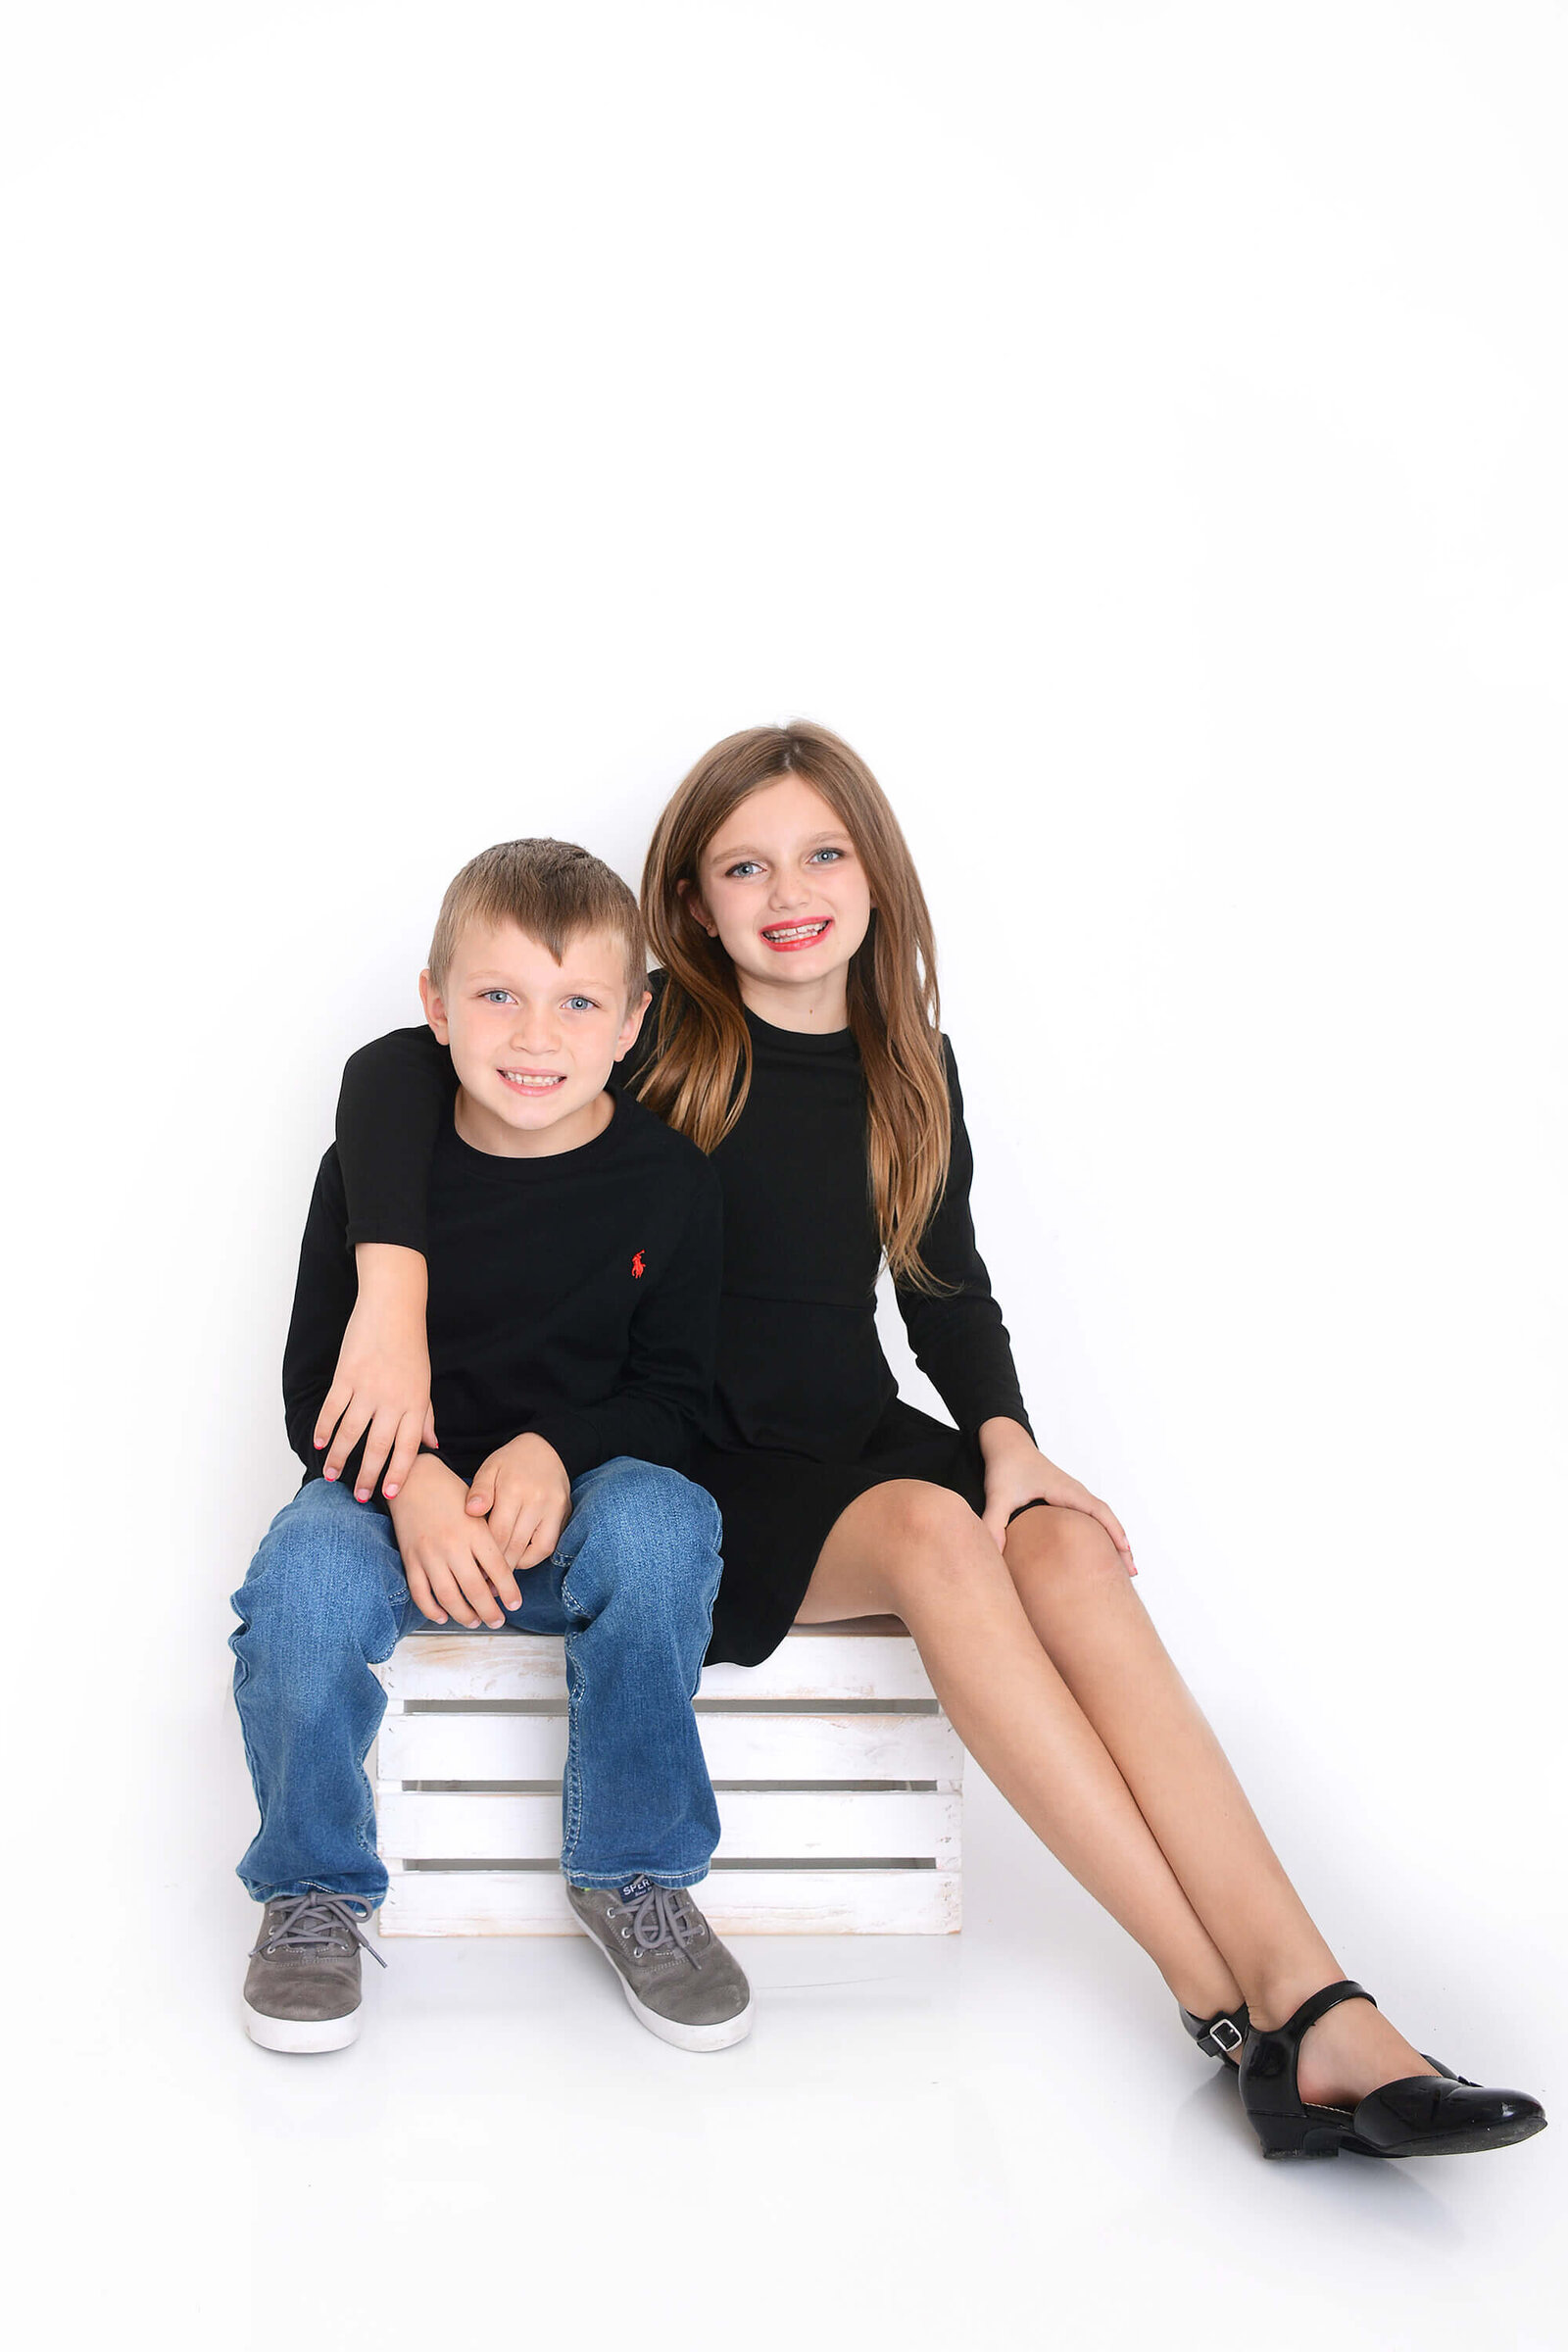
(787, 938)
(783, 888)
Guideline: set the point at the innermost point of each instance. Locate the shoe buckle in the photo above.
(1225, 2036)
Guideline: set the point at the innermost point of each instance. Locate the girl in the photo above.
(796, 1040)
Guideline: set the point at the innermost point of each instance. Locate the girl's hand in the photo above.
(1016, 1471)
(382, 1381)
(453, 1563)
(523, 1490)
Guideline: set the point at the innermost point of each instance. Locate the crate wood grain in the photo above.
(839, 1788)
(738, 1902)
(813, 1662)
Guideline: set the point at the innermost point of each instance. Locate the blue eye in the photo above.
(582, 1005)
(816, 853)
(746, 865)
(495, 996)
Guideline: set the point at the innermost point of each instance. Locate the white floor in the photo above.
(1000, 2138)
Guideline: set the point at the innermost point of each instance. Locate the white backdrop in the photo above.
(1139, 430)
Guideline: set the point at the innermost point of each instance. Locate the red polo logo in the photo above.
(637, 1266)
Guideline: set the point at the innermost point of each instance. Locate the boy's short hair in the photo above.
(552, 891)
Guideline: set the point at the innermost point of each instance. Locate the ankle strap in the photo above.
(1218, 2035)
(1319, 2005)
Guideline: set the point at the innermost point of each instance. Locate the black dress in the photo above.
(805, 1413)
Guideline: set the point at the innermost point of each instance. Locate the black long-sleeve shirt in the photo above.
(800, 1365)
(575, 1296)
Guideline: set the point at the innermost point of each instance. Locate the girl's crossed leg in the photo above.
(1055, 1678)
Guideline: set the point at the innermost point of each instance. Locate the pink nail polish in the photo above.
(362, 1494)
(389, 1492)
(330, 1474)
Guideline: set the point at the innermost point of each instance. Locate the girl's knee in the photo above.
(1063, 1549)
(930, 1536)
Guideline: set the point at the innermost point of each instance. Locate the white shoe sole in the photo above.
(302, 2036)
(680, 2037)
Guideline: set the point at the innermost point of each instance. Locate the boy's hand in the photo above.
(526, 1493)
(382, 1381)
(451, 1561)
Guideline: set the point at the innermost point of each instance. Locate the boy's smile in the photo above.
(533, 1041)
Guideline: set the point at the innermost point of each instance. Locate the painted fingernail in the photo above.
(389, 1492)
(362, 1494)
(330, 1474)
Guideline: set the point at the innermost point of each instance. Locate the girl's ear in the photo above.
(435, 1011)
(691, 899)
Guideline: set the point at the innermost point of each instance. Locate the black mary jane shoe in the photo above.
(1421, 2114)
(1220, 2036)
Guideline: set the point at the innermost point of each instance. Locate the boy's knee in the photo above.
(320, 1572)
(653, 1506)
(658, 1537)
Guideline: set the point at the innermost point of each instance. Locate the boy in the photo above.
(573, 1296)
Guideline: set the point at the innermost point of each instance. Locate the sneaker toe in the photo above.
(302, 1995)
(696, 2002)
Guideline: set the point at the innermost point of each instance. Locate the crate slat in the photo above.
(738, 1902)
(762, 1824)
(826, 1663)
(739, 1747)
(835, 1828)
(479, 1666)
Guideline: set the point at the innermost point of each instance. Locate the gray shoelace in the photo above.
(316, 1920)
(662, 1916)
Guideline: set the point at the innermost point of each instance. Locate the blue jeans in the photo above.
(632, 1587)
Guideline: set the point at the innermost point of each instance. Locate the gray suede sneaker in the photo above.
(301, 1988)
(678, 1979)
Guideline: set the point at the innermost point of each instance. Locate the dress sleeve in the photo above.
(958, 1335)
(395, 1097)
(324, 1299)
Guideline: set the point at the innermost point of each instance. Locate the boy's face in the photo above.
(532, 1041)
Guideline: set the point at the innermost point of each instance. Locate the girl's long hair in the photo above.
(700, 1069)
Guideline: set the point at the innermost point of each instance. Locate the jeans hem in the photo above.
(671, 1878)
(345, 1895)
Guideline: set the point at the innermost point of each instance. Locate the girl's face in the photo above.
(782, 887)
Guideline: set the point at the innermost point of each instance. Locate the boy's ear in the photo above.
(692, 900)
(632, 1023)
(435, 1011)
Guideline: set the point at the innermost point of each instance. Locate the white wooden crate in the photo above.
(839, 1785)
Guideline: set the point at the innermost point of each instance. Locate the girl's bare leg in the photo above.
(920, 1553)
(1093, 1625)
